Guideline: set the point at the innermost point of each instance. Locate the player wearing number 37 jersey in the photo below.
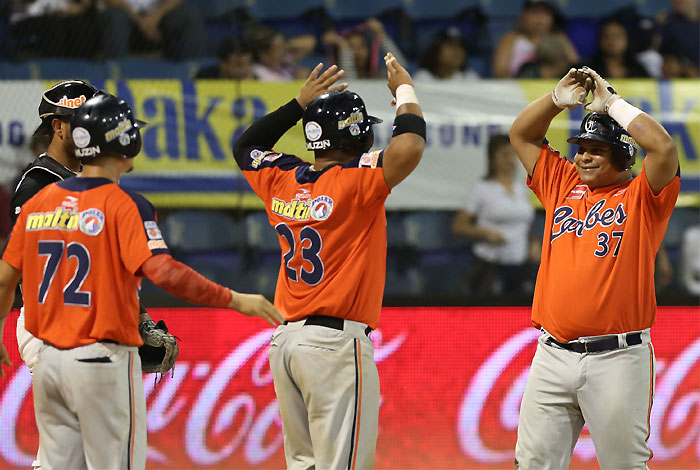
(594, 299)
(332, 228)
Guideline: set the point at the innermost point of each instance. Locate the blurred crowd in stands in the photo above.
(541, 41)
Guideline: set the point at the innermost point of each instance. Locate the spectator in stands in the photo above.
(680, 37)
(53, 28)
(551, 59)
(358, 51)
(445, 58)
(538, 19)
(138, 25)
(690, 259)
(235, 62)
(676, 65)
(277, 59)
(615, 57)
(663, 271)
(498, 216)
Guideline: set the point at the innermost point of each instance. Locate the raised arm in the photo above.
(530, 127)
(266, 131)
(405, 149)
(661, 162)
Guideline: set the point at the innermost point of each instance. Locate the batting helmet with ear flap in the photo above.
(62, 99)
(338, 120)
(603, 128)
(105, 125)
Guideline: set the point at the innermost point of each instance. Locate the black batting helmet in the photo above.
(62, 99)
(338, 120)
(105, 125)
(603, 128)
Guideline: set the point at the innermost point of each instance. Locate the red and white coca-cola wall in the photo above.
(451, 384)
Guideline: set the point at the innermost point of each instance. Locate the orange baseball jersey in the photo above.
(79, 244)
(596, 276)
(331, 226)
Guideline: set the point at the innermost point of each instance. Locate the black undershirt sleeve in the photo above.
(266, 131)
(34, 182)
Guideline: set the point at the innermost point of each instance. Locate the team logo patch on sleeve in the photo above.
(369, 160)
(152, 230)
(267, 156)
(91, 222)
(157, 245)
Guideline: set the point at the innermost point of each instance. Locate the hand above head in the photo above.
(316, 84)
(396, 75)
(603, 93)
(255, 305)
(571, 91)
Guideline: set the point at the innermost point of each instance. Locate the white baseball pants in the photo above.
(327, 388)
(90, 407)
(612, 392)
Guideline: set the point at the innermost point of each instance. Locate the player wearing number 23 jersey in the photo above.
(331, 223)
(315, 213)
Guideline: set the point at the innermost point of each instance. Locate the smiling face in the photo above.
(594, 165)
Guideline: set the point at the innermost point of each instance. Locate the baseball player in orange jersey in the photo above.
(594, 299)
(332, 229)
(56, 107)
(81, 246)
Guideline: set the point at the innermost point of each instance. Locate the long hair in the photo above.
(430, 58)
(496, 141)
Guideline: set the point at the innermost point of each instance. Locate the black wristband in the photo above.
(409, 123)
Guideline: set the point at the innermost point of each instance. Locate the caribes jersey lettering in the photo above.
(599, 245)
(565, 222)
(332, 230)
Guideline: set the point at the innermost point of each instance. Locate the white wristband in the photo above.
(623, 112)
(405, 94)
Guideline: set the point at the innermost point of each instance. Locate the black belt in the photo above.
(329, 322)
(608, 343)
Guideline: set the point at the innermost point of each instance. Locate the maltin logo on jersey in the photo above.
(321, 208)
(91, 221)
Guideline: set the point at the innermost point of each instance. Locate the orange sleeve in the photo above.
(184, 282)
(552, 171)
(369, 183)
(14, 250)
(138, 233)
(660, 205)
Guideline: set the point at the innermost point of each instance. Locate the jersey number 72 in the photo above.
(72, 295)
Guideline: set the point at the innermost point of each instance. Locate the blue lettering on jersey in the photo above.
(595, 216)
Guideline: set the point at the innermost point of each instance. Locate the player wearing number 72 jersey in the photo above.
(594, 299)
(332, 227)
(81, 246)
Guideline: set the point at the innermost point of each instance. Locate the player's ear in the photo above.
(57, 126)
